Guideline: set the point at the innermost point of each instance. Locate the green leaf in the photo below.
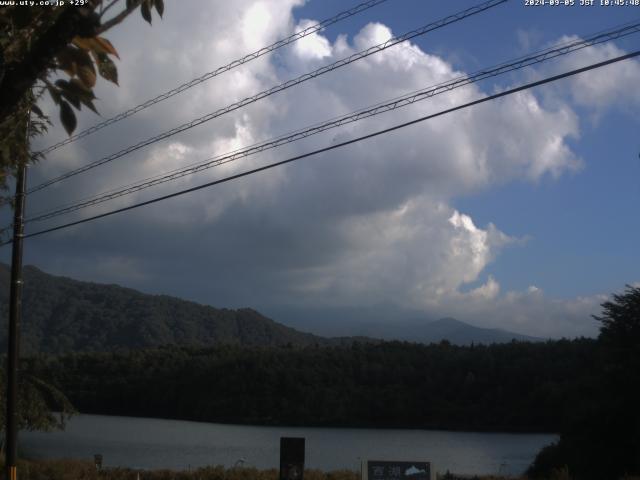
(73, 99)
(89, 104)
(77, 61)
(77, 93)
(66, 61)
(79, 88)
(55, 93)
(103, 45)
(145, 10)
(159, 7)
(67, 117)
(87, 76)
(81, 57)
(36, 109)
(5, 153)
(76, 87)
(82, 42)
(107, 68)
(68, 93)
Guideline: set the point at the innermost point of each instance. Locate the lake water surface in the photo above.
(153, 443)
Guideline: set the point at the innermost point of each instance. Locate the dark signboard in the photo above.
(391, 470)
(291, 458)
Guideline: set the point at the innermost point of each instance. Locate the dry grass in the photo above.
(85, 470)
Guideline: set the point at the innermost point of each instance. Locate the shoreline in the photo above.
(324, 426)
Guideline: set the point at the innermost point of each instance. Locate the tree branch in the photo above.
(119, 18)
(104, 10)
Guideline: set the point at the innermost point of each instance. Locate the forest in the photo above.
(507, 387)
(65, 315)
(584, 389)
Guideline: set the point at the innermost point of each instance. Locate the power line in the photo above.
(338, 145)
(225, 68)
(278, 88)
(399, 102)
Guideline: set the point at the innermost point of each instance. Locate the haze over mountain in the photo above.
(61, 315)
(390, 322)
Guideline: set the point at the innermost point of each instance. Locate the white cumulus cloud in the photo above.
(368, 223)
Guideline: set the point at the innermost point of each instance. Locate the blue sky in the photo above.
(583, 231)
(518, 214)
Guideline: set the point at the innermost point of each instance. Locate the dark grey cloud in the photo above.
(365, 224)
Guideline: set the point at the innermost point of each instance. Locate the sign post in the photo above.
(396, 470)
(291, 458)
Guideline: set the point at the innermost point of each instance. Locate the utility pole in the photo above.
(15, 314)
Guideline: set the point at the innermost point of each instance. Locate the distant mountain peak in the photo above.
(449, 321)
(392, 324)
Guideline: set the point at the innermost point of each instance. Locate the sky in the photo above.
(519, 213)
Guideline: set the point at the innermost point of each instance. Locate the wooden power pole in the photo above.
(15, 314)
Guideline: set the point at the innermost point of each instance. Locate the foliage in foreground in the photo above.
(37, 402)
(41, 42)
(601, 439)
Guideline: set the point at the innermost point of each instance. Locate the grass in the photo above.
(67, 469)
(85, 470)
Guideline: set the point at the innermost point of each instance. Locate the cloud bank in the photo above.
(369, 223)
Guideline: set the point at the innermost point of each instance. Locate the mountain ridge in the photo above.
(390, 322)
(61, 314)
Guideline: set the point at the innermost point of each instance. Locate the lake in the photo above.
(147, 443)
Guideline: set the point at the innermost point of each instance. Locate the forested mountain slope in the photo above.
(65, 315)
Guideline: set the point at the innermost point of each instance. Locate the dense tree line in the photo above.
(600, 440)
(508, 387)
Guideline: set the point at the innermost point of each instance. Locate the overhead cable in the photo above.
(337, 145)
(209, 75)
(399, 102)
(278, 88)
